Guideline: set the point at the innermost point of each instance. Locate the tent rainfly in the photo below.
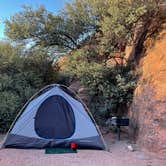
(54, 117)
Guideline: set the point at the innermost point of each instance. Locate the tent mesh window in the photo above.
(55, 119)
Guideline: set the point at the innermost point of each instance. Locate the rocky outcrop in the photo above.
(148, 110)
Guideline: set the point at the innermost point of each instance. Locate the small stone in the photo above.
(130, 148)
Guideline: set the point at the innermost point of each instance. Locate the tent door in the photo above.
(55, 119)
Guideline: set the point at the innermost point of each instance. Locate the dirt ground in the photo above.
(119, 156)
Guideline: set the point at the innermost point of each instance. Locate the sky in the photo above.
(10, 7)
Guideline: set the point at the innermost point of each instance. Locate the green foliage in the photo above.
(95, 31)
(116, 22)
(61, 31)
(14, 92)
(110, 89)
(20, 77)
(115, 19)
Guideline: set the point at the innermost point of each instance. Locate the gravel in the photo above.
(119, 156)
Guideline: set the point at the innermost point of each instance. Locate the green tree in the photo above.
(115, 19)
(95, 31)
(60, 31)
(117, 23)
(110, 88)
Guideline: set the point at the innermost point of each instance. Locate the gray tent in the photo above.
(54, 117)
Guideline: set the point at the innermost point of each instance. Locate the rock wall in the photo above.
(148, 110)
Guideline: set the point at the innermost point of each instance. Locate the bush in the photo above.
(21, 77)
(110, 88)
(14, 92)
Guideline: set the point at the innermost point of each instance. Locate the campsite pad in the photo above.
(59, 150)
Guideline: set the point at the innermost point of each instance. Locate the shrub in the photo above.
(20, 77)
(110, 88)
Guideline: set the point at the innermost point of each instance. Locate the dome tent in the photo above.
(54, 117)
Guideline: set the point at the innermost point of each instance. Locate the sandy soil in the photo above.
(119, 156)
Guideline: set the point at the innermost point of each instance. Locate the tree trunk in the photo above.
(139, 41)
